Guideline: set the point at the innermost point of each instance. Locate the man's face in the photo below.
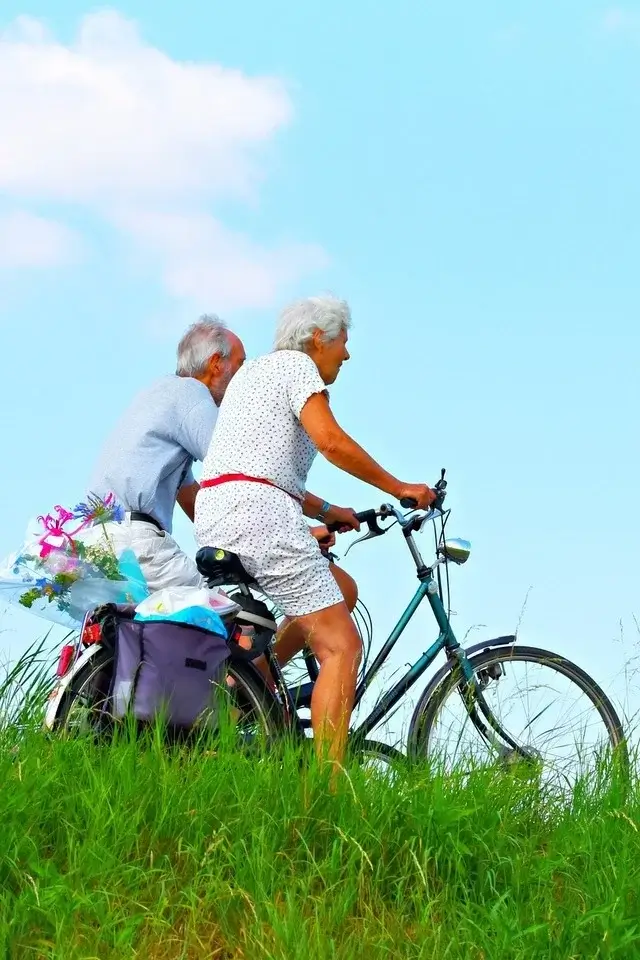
(223, 369)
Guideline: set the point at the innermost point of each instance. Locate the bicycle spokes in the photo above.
(519, 710)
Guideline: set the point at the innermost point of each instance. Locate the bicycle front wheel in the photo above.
(546, 704)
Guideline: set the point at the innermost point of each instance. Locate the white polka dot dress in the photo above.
(259, 434)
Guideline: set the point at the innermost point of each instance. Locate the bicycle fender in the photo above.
(438, 677)
(63, 685)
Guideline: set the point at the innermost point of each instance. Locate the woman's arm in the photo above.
(340, 449)
(343, 452)
(312, 505)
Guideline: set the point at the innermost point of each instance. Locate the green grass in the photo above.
(133, 851)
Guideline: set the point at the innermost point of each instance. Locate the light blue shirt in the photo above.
(151, 450)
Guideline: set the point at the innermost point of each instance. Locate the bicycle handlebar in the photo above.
(440, 487)
(370, 517)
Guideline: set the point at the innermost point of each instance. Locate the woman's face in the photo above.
(329, 356)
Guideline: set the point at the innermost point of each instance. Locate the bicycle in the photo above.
(470, 677)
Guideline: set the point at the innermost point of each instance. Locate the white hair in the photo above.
(204, 338)
(299, 320)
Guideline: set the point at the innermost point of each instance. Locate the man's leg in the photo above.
(163, 563)
(161, 560)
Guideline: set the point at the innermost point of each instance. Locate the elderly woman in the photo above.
(274, 418)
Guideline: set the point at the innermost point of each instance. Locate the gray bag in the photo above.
(166, 668)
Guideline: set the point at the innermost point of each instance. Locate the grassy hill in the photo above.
(129, 851)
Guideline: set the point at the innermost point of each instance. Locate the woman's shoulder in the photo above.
(283, 360)
(281, 369)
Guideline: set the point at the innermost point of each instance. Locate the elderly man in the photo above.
(147, 460)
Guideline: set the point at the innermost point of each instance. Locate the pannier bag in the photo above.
(163, 668)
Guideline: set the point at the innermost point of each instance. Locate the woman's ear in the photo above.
(317, 340)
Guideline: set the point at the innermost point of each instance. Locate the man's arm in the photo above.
(195, 436)
(197, 428)
(187, 498)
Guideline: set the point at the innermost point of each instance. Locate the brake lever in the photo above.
(370, 535)
(328, 553)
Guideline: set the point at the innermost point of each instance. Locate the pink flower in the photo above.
(54, 527)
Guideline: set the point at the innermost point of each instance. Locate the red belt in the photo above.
(233, 477)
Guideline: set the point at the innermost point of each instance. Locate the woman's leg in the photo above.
(332, 635)
(291, 636)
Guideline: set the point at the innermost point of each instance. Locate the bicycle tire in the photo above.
(375, 748)
(429, 705)
(84, 683)
(249, 689)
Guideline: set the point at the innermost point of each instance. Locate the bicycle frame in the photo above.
(446, 641)
(300, 695)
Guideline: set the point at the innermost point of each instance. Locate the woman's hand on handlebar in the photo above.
(342, 519)
(416, 496)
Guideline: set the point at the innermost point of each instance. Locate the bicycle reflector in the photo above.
(91, 634)
(65, 658)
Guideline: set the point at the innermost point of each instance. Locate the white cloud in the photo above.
(27, 240)
(204, 261)
(109, 123)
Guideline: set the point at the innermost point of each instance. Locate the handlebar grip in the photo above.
(339, 527)
(410, 504)
(365, 516)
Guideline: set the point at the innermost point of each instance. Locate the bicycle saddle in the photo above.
(220, 567)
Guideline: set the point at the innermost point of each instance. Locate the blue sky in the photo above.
(466, 176)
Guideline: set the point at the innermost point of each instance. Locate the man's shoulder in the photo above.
(171, 390)
(163, 405)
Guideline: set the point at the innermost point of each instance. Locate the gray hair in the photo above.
(206, 336)
(299, 320)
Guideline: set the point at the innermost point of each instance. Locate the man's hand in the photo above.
(345, 516)
(420, 492)
(323, 536)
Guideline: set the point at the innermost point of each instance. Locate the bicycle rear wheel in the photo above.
(547, 705)
(254, 712)
(378, 759)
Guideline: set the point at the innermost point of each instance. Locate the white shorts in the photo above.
(266, 529)
(161, 560)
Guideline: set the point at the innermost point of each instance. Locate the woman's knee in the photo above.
(333, 634)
